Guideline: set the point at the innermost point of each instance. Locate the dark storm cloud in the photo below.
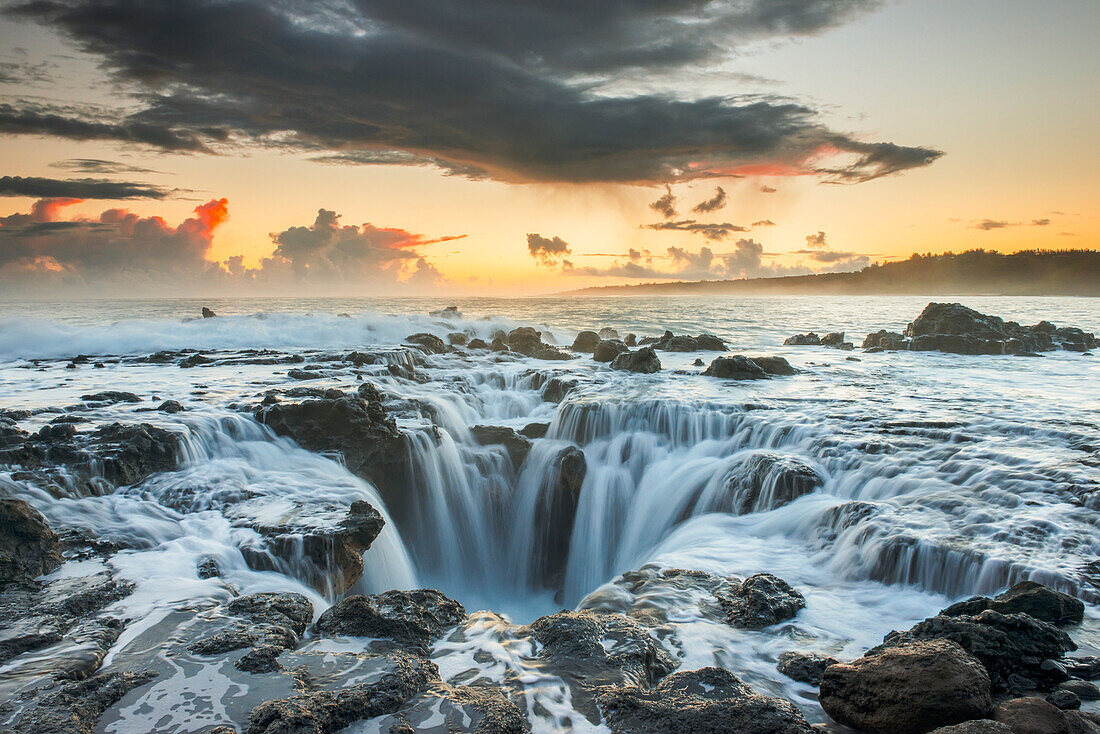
(80, 188)
(713, 231)
(485, 88)
(665, 204)
(712, 204)
(98, 166)
(547, 250)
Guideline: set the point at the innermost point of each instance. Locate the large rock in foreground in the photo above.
(908, 689)
(706, 701)
(28, 547)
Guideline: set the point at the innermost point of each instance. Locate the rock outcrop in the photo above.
(410, 619)
(28, 546)
(804, 667)
(759, 601)
(642, 360)
(1026, 597)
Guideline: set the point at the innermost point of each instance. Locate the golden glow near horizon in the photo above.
(1011, 106)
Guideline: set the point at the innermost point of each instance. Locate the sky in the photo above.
(519, 147)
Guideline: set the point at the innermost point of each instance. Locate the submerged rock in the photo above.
(208, 313)
(643, 360)
(706, 701)
(1026, 597)
(516, 445)
(28, 546)
(908, 689)
(110, 397)
(759, 601)
(411, 619)
(804, 667)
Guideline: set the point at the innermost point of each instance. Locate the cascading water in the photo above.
(848, 480)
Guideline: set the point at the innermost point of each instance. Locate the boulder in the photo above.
(110, 397)
(429, 342)
(889, 341)
(737, 367)
(764, 480)
(1031, 716)
(608, 349)
(679, 344)
(555, 389)
(524, 340)
(28, 547)
(410, 619)
(759, 601)
(516, 445)
(499, 345)
(803, 340)
(547, 351)
(804, 667)
(357, 426)
(975, 726)
(208, 313)
(954, 318)
(457, 339)
(1084, 690)
(476, 343)
(608, 333)
(1026, 597)
(643, 360)
(631, 340)
(1063, 699)
(706, 701)
(835, 340)
(710, 343)
(171, 406)
(908, 689)
(1012, 647)
(534, 430)
(774, 365)
(586, 341)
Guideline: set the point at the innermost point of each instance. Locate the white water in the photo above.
(976, 471)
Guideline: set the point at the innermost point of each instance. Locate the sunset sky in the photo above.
(370, 147)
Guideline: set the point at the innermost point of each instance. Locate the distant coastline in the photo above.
(975, 272)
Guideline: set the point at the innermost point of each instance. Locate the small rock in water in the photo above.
(608, 349)
(643, 361)
(804, 667)
(586, 341)
(737, 367)
(759, 601)
(698, 362)
(208, 313)
(170, 406)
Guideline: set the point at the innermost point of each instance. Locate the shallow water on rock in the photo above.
(935, 477)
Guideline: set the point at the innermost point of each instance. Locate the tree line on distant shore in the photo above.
(1027, 272)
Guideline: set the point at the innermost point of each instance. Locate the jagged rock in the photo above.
(803, 340)
(555, 389)
(586, 341)
(835, 340)
(737, 367)
(706, 701)
(774, 365)
(631, 340)
(884, 340)
(524, 340)
(208, 313)
(643, 360)
(1026, 597)
(327, 712)
(1010, 646)
(759, 601)
(359, 428)
(28, 547)
(110, 397)
(608, 349)
(516, 445)
(590, 651)
(1031, 716)
(122, 454)
(269, 623)
(804, 667)
(430, 342)
(710, 343)
(411, 619)
(457, 339)
(908, 689)
(555, 514)
(73, 707)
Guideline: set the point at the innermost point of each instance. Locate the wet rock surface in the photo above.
(908, 689)
(642, 360)
(73, 707)
(265, 623)
(516, 445)
(555, 514)
(28, 546)
(1026, 597)
(737, 367)
(706, 701)
(410, 619)
(759, 601)
(804, 667)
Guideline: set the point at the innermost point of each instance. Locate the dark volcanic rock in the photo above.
(1010, 646)
(476, 343)
(268, 624)
(516, 445)
(586, 341)
(804, 667)
(908, 689)
(1031, 716)
(546, 351)
(481, 709)
(411, 619)
(835, 340)
(1064, 700)
(555, 389)
(28, 547)
(110, 397)
(706, 701)
(359, 428)
(774, 365)
(608, 349)
(555, 514)
(458, 339)
(73, 707)
(975, 726)
(952, 327)
(430, 342)
(759, 601)
(889, 341)
(208, 313)
(764, 481)
(803, 340)
(710, 343)
(643, 360)
(534, 430)
(590, 651)
(327, 712)
(1026, 597)
(171, 406)
(737, 367)
(525, 340)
